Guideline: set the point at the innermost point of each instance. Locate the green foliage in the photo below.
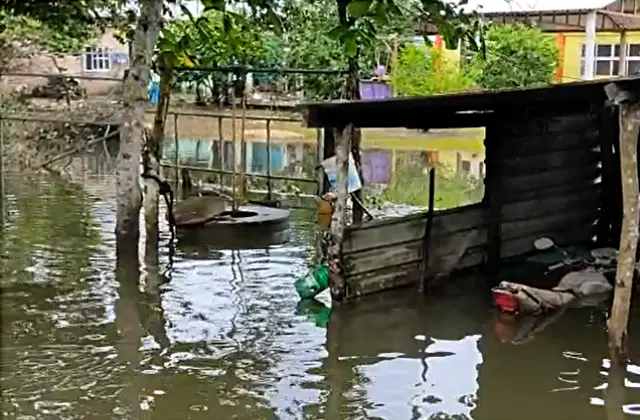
(517, 56)
(361, 20)
(425, 71)
(24, 32)
(216, 39)
(410, 185)
(62, 25)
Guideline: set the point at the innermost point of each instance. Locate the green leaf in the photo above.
(350, 45)
(338, 32)
(358, 8)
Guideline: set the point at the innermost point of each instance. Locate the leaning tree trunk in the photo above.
(619, 319)
(153, 155)
(128, 194)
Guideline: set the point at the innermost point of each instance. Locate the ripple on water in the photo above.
(221, 336)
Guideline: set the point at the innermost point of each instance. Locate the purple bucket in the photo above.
(374, 90)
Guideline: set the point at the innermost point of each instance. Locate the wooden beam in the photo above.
(629, 120)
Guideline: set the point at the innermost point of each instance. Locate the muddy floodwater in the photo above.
(220, 334)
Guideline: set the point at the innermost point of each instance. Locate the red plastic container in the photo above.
(505, 301)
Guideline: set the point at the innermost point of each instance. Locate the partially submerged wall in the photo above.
(543, 179)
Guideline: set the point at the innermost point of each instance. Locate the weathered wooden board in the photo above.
(445, 252)
(539, 125)
(559, 190)
(538, 226)
(571, 158)
(404, 229)
(581, 176)
(561, 236)
(400, 275)
(533, 144)
(549, 205)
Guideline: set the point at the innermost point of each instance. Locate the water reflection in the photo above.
(224, 335)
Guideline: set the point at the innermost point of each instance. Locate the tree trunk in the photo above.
(128, 194)
(153, 155)
(353, 93)
(618, 321)
(338, 220)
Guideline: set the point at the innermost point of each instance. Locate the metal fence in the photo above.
(237, 140)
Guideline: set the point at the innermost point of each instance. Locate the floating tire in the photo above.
(249, 227)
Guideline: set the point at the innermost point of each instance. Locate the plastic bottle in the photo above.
(313, 283)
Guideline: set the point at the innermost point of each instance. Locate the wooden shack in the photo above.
(552, 169)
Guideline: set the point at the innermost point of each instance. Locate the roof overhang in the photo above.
(464, 109)
(561, 20)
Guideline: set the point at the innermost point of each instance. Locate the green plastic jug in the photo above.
(315, 311)
(313, 283)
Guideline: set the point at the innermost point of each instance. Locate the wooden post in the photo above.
(319, 159)
(629, 116)
(590, 45)
(615, 394)
(1, 172)
(269, 160)
(219, 157)
(233, 151)
(622, 60)
(177, 147)
(338, 219)
(427, 231)
(243, 143)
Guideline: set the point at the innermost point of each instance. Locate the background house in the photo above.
(107, 58)
(573, 23)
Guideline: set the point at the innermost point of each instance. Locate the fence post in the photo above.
(243, 143)
(319, 159)
(269, 192)
(219, 159)
(175, 138)
(233, 154)
(1, 170)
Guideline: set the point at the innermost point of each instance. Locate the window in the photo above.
(607, 57)
(97, 59)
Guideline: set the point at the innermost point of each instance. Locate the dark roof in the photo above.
(466, 109)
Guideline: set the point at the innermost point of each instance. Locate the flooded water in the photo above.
(221, 335)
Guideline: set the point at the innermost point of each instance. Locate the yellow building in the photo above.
(577, 25)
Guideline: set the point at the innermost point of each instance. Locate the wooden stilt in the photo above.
(615, 394)
(427, 232)
(338, 219)
(629, 111)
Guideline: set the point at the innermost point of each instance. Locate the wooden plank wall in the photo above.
(550, 182)
(544, 174)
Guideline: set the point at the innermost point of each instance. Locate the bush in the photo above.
(425, 71)
(516, 56)
(410, 185)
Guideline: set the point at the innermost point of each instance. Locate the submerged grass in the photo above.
(410, 185)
